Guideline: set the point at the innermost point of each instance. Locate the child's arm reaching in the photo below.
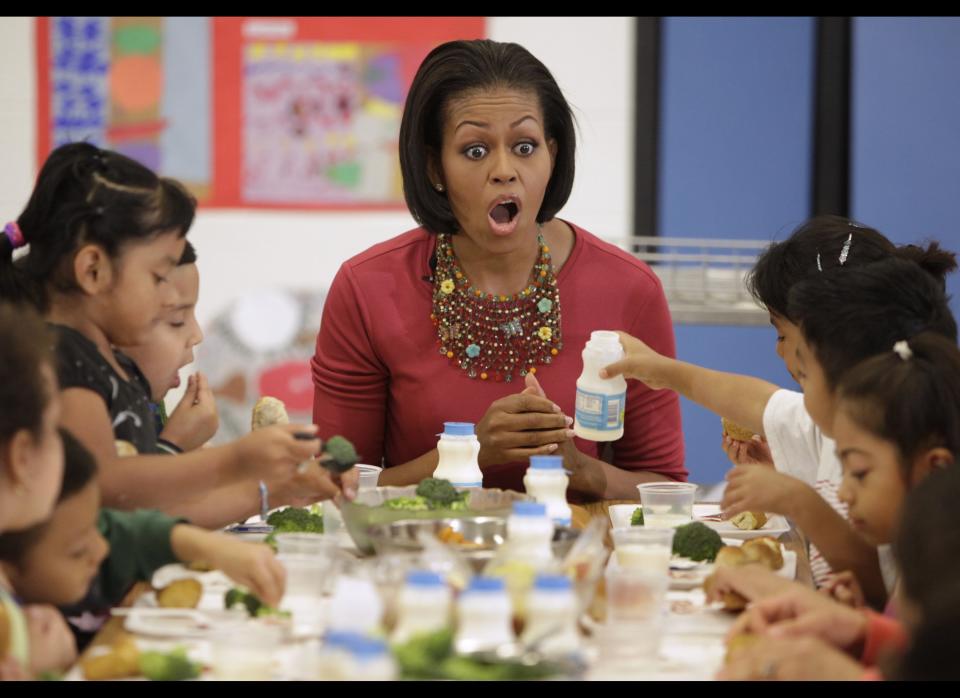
(240, 500)
(757, 488)
(252, 565)
(158, 482)
(739, 398)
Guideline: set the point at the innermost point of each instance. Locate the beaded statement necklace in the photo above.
(491, 336)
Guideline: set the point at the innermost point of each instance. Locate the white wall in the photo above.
(591, 58)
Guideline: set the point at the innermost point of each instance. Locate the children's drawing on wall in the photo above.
(286, 112)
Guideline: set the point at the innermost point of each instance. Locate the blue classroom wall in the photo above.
(749, 350)
(735, 162)
(905, 127)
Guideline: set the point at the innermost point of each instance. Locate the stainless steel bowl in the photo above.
(482, 536)
(480, 533)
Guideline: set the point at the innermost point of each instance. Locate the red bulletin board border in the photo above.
(227, 43)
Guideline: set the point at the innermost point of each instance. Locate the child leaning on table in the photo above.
(85, 559)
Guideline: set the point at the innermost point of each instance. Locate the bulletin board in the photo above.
(249, 112)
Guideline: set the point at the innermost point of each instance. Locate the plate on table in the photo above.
(621, 514)
(789, 569)
(709, 514)
(180, 622)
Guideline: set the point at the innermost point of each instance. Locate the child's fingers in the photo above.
(349, 483)
(615, 369)
(204, 394)
(266, 582)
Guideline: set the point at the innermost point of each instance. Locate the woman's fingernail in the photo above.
(571, 433)
(551, 448)
(569, 420)
(556, 408)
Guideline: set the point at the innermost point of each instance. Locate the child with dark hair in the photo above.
(928, 548)
(897, 428)
(168, 348)
(86, 558)
(807, 473)
(31, 468)
(105, 234)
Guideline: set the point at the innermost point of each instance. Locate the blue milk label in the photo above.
(600, 412)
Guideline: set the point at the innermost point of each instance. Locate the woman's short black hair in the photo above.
(460, 67)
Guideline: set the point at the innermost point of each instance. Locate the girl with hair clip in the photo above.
(104, 235)
(32, 638)
(803, 482)
(897, 428)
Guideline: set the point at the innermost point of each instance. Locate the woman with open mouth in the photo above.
(480, 314)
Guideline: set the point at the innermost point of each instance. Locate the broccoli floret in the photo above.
(241, 597)
(431, 656)
(251, 602)
(171, 666)
(637, 518)
(420, 657)
(696, 541)
(407, 503)
(440, 494)
(342, 453)
(471, 669)
(295, 520)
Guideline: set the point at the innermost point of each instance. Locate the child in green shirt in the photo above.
(85, 559)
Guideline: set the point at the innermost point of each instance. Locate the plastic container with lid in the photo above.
(424, 605)
(551, 620)
(529, 531)
(352, 656)
(459, 449)
(484, 619)
(546, 481)
(601, 402)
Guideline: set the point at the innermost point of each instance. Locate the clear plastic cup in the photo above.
(637, 599)
(307, 578)
(646, 549)
(305, 544)
(369, 476)
(246, 654)
(667, 504)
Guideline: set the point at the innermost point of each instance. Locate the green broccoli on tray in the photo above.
(432, 656)
(169, 666)
(432, 494)
(295, 520)
(251, 602)
(696, 541)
